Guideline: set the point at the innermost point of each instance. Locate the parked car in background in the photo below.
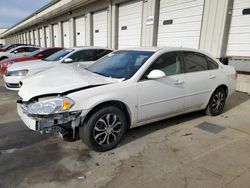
(10, 46)
(1, 46)
(125, 89)
(38, 54)
(83, 56)
(18, 52)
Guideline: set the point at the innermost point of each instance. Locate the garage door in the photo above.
(80, 27)
(55, 35)
(130, 23)
(31, 37)
(66, 40)
(239, 32)
(100, 28)
(36, 38)
(41, 35)
(28, 37)
(47, 37)
(180, 23)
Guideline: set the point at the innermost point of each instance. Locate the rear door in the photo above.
(161, 97)
(199, 80)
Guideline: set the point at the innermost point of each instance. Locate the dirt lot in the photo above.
(185, 151)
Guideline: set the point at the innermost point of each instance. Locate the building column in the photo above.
(114, 26)
(72, 32)
(150, 19)
(60, 34)
(89, 29)
(51, 35)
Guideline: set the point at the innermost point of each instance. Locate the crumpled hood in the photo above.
(60, 79)
(29, 65)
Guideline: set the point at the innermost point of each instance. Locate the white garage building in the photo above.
(219, 27)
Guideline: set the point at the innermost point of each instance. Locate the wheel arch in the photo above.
(115, 103)
(223, 86)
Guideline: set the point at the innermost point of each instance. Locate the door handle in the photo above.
(178, 82)
(212, 76)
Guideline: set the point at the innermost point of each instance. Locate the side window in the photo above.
(31, 49)
(194, 62)
(20, 50)
(212, 64)
(101, 53)
(84, 55)
(169, 63)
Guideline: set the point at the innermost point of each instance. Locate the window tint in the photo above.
(194, 62)
(59, 55)
(30, 49)
(212, 64)
(169, 63)
(101, 53)
(49, 52)
(83, 55)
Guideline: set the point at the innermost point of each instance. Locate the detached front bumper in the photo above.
(63, 123)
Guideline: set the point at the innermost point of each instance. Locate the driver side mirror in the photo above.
(68, 60)
(156, 74)
(15, 52)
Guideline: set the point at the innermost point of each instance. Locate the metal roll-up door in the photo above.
(41, 35)
(66, 39)
(31, 37)
(239, 32)
(55, 35)
(130, 23)
(80, 26)
(180, 23)
(47, 37)
(36, 38)
(100, 28)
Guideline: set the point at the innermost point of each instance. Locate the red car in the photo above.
(41, 54)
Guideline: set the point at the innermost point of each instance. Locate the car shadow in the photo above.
(133, 134)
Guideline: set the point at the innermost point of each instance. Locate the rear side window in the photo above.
(212, 64)
(101, 53)
(49, 52)
(31, 49)
(194, 62)
(83, 55)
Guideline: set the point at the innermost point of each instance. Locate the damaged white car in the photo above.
(125, 89)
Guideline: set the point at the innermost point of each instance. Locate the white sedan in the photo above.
(83, 56)
(18, 51)
(125, 89)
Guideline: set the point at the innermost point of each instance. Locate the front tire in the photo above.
(217, 102)
(104, 129)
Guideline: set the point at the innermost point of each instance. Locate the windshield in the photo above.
(59, 55)
(121, 64)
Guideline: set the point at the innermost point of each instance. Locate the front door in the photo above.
(161, 97)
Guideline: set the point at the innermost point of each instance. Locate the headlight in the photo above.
(17, 73)
(50, 106)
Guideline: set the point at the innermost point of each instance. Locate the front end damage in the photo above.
(64, 123)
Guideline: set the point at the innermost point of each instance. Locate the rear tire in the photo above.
(104, 129)
(217, 102)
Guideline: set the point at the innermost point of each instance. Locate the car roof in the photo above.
(89, 48)
(163, 48)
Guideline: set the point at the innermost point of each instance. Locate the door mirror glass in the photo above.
(68, 60)
(156, 74)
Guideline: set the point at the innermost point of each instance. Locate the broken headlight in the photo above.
(50, 106)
